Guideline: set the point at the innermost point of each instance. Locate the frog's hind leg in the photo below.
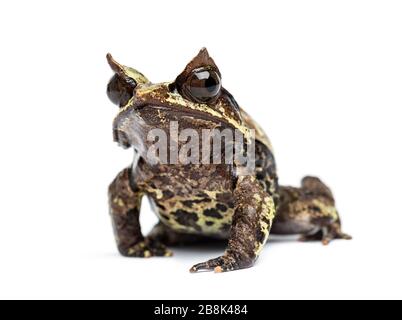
(309, 211)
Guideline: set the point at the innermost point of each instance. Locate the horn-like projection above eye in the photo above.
(126, 72)
(121, 87)
(201, 79)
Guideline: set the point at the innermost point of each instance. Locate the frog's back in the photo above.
(265, 170)
(260, 134)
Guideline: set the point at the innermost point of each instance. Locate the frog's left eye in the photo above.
(121, 87)
(202, 85)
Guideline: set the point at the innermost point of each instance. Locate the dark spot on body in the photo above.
(206, 200)
(209, 223)
(190, 203)
(267, 221)
(167, 194)
(160, 206)
(185, 217)
(260, 236)
(164, 216)
(202, 195)
(221, 207)
(212, 213)
(188, 219)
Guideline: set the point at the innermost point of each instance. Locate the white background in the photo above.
(324, 79)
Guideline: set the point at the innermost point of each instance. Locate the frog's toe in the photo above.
(147, 249)
(334, 232)
(345, 236)
(311, 237)
(326, 236)
(158, 248)
(207, 266)
(222, 264)
(333, 236)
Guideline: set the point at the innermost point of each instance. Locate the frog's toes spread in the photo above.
(223, 264)
(327, 234)
(147, 249)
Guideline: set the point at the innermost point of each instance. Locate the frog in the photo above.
(204, 201)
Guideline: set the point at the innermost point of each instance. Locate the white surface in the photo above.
(323, 78)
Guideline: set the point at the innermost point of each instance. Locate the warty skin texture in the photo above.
(196, 202)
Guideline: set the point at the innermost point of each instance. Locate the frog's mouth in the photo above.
(133, 124)
(154, 106)
(161, 96)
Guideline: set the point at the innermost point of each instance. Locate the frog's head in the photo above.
(196, 100)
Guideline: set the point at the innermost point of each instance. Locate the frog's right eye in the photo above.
(201, 80)
(202, 85)
(120, 88)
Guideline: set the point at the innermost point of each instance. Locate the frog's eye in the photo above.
(201, 80)
(121, 87)
(202, 85)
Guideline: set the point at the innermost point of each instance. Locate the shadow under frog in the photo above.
(204, 201)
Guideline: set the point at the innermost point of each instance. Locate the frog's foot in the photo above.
(309, 210)
(222, 264)
(146, 249)
(327, 234)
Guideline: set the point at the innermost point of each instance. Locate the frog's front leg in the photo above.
(125, 205)
(252, 221)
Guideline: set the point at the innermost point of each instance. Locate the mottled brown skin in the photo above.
(309, 210)
(195, 202)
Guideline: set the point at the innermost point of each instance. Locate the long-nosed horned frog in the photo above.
(204, 199)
